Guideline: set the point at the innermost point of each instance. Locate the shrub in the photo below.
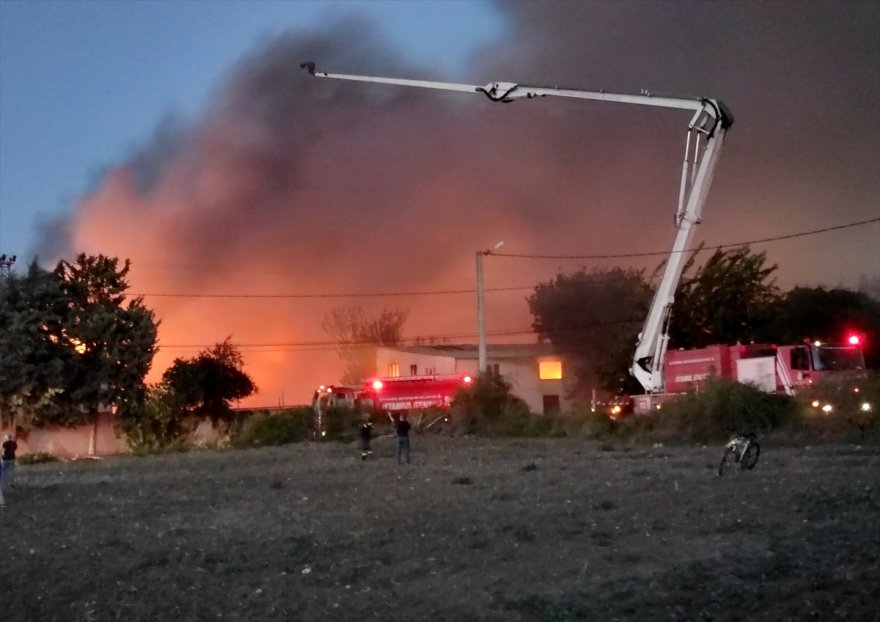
(489, 407)
(37, 458)
(263, 430)
(341, 424)
(853, 403)
(721, 408)
(154, 422)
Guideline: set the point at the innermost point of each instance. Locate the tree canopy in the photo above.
(731, 298)
(592, 318)
(357, 334)
(72, 341)
(830, 315)
(33, 308)
(205, 385)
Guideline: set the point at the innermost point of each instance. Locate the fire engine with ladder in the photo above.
(661, 374)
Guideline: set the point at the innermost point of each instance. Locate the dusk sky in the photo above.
(184, 136)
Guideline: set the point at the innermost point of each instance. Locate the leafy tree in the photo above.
(357, 335)
(154, 421)
(205, 385)
(32, 310)
(593, 319)
(114, 337)
(819, 313)
(730, 299)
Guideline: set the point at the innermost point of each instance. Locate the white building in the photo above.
(534, 372)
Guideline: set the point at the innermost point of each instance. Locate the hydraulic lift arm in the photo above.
(705, 136)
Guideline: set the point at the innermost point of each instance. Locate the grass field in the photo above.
(473, 529)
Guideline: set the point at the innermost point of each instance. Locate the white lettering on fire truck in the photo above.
(691, 377)
(705, 359)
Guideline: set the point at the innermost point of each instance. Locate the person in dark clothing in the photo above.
(7, 456)
(366, 434)
(401, 439)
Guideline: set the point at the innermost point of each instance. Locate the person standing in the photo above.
(366, 434)
(401, 439)
(7, 457)
(2, 500)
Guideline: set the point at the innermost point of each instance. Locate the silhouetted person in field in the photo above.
(7, 457)
(366, 434)
(401, 438)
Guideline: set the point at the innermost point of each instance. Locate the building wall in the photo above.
(70, 442)
(425, 363)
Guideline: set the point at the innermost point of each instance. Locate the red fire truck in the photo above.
(397, 394)
(772, 368)
(405, 393)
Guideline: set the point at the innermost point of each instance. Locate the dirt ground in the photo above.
(473, 529)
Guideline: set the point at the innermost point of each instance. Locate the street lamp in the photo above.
(481, 322)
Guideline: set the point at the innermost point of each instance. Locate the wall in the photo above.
(71, 442)
(440, 363)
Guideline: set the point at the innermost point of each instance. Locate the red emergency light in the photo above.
(854, 339)
(377, 385)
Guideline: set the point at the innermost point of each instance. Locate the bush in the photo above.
(37, 458)
(721, 408)
(341, 424)
(853, 403)
(489, 407)
(155, 422)
(272, 429)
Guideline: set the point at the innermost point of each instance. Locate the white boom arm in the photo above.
(705, 135)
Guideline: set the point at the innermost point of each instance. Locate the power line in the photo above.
(314, 346)
(719, 246)
(441, 292)
(448, 292)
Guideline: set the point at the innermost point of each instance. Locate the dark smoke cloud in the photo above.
(289, 184)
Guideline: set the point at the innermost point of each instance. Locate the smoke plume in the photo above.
(291, 185)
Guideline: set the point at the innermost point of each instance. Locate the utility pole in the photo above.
(481, 322)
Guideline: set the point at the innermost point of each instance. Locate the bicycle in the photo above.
(743, 450)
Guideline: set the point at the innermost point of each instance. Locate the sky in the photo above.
(252, 199)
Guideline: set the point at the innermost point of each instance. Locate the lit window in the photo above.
(393, 370)
(550, 370)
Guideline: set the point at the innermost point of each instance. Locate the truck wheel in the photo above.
(750, 456)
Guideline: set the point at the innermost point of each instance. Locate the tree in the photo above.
(730, 299)
(154, 421)
(486, 404)
(828, 315)
(592, 319)
(205, 385)
(114, 338)
(32, 310)
(358, 334)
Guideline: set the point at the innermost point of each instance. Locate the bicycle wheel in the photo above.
(729, 457)
(750, 456)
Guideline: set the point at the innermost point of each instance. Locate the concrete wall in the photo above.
(425, 363)
(71, 442)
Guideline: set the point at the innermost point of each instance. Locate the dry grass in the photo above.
(474, 529)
